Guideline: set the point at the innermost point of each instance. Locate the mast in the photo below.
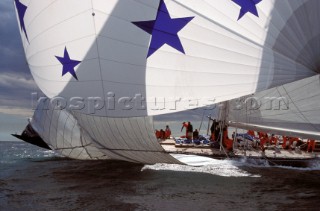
(222, 119)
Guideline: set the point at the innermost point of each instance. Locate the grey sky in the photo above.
(16, 83)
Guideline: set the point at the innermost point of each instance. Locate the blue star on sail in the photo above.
(164, 29)
(68, 64)
(247, 6)
(21, 10)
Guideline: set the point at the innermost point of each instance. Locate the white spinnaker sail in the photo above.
(61, 131)
(88, 137)
(209, 55)
(128, 139)
(291, 109)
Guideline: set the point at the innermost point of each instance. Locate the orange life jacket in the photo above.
(273, 140)
(167, 133)
(251, 133)
(226, 141)
(311, 145)
(284, 143)
(157, 133)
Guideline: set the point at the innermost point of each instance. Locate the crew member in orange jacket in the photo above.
(263, 140)
(273, 140)
(284, 143)
(226, 141)
(262, 135)
(157, 132)
(167, 132)
(311, 145)
(185, 125)
(251, 133)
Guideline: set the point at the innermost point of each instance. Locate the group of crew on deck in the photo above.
(263, 140)
(163, 134)
(190, 134)
(251, 139)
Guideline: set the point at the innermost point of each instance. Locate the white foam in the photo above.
(200, 164)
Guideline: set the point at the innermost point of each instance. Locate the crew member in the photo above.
(228, 143)
(196, 134)
(162, 134)
(311, 145)
(293, 142)
(273, 140)
(185, 125)
(285, 142)
(213, 130)
(189, 131)
(157, 132)
(167, 132)
(263, 140)
(251, 133)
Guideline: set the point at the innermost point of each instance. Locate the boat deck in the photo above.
(170, 147)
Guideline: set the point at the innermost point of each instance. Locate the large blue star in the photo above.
(21, 9)
(247, 6)
(68, 64)
(164, 29)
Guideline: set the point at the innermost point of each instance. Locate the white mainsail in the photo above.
(291, 109)
(117, 63)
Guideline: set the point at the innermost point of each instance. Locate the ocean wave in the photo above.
(199, 164)
(224, 168)
(14, 151)
(313, 165)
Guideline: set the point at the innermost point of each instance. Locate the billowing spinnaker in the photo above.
(61, 131)
(129, 139)
(291, 109)
(86, 137)
(188, 53)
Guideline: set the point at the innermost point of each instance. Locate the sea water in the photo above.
(36, 179)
